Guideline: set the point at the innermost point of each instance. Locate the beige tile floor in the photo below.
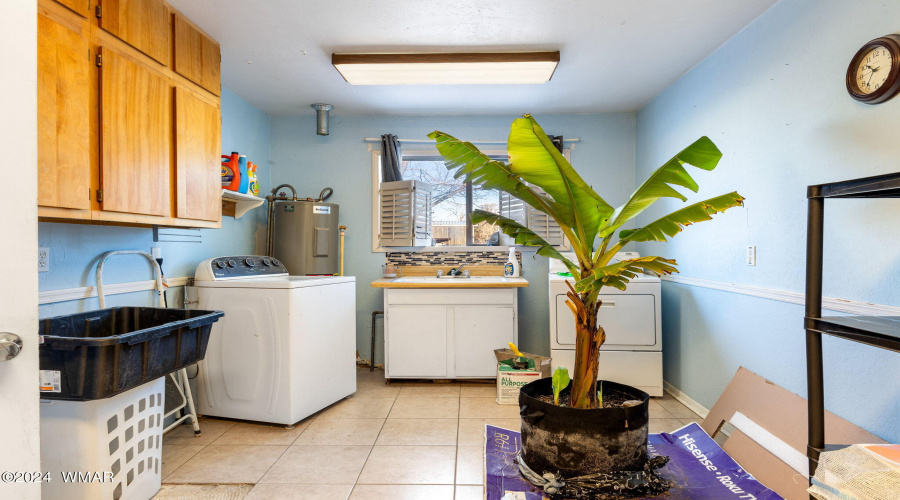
(407, 440)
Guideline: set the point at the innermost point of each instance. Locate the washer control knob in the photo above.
(250, 262)
(267, 262)
(218, 264)
(276, 263)
(232, 263)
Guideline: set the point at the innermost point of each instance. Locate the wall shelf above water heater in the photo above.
(237, 204)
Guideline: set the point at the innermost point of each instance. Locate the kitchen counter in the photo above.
(434, 282)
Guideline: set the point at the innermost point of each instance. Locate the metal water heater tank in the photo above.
(306, 237)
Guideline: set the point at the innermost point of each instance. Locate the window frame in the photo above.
(426, 151)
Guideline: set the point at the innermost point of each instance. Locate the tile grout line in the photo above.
(372, 448)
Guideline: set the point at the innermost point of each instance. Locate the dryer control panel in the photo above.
(239, 266)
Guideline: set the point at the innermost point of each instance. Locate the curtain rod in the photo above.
(427, 141)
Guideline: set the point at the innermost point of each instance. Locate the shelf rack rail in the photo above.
(883, 332)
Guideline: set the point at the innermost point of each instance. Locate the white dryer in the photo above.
(286, 347)
(632, 353)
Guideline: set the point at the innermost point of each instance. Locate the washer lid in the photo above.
(277, 282)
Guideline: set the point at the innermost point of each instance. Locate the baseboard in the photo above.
(686, 400)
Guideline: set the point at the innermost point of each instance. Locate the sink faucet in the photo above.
(457, 271)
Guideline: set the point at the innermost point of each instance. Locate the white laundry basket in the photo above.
(121, 435)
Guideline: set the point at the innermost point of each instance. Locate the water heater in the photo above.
(306, 237)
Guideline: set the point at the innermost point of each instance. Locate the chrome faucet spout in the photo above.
(458, 270)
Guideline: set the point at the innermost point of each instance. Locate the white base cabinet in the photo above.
(447, 333)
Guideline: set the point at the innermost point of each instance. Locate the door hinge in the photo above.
(89, 194)
(99, 195)
(99, 60)
(98, 11)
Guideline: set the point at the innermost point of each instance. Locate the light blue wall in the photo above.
(773, 99)
(605, 157)
(76, 248)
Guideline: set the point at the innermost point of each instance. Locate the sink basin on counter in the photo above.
(450, 282)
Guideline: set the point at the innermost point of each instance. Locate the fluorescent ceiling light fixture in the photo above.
(447, 68)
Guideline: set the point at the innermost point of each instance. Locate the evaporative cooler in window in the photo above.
(405, 214)
(542, 224)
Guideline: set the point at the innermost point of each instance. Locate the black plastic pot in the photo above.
(575, 442)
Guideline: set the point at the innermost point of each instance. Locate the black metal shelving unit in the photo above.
(883, 332)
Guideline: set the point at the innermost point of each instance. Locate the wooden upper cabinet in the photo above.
(143, 24)
(197, 56)
(197, 160)
(135, 137)
(82, 7)
(64, 166)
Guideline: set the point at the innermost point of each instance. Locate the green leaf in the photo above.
(535, 159)
(522, 235)
(672, 224)
(702, 154)
(617, 275)
(479, 169)
(560, 381)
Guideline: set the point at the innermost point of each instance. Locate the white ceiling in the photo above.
(615, 55)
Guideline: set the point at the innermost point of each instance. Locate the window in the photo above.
(452, 200)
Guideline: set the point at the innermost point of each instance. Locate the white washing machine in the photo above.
(286, 347)
(632, 353)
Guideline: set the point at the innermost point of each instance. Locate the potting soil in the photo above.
(698, 469)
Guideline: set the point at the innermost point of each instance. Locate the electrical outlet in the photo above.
(156, 252)
(751, 255)
(43, 259)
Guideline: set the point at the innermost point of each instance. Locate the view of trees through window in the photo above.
(450, 199)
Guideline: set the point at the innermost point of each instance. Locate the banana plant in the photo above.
(592, 226)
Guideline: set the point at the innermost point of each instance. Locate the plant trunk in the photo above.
(589, 337)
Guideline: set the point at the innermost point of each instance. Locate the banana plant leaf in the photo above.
(535, 159)
(665, 227)
(617, 275)
(702, 154)
(522, 236)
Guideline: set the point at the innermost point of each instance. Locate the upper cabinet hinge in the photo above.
(98, 11)
(99, 195)
(99, 60)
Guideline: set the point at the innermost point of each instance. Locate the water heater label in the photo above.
(321, 209)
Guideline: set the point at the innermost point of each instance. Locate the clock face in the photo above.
(873, 70)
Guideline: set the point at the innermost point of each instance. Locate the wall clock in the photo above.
(873, 76)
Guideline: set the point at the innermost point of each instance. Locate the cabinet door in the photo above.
(197, 166)
(135, 135)
(477, 332)
(82, 7)
(143, 24)
(64, 168)
(416, 341)
(197, 56)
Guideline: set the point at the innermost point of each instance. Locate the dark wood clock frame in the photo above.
(891, 85)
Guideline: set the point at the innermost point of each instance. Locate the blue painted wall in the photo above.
(605, 157)
(76, 248)
(773, 99)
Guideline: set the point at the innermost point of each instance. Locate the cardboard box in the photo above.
(510, 380)
(776, 435)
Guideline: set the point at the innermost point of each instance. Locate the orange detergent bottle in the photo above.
(231, 172)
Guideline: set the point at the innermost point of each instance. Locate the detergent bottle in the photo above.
(244, 182)
(253, 180)
(231, 173)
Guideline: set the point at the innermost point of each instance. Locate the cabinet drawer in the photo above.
(629, 320)
(483, 296)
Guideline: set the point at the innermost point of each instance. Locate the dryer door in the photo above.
(629, 321)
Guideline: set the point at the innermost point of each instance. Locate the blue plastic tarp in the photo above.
(698, 469)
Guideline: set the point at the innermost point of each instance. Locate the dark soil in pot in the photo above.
(574, 442)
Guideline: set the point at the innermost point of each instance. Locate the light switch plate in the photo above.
(751, 255)
(43, 259)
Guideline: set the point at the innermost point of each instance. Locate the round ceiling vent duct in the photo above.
(322, 110)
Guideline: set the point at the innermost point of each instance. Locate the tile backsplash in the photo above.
(449, 258)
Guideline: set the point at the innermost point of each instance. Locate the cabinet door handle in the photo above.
(608, 304)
